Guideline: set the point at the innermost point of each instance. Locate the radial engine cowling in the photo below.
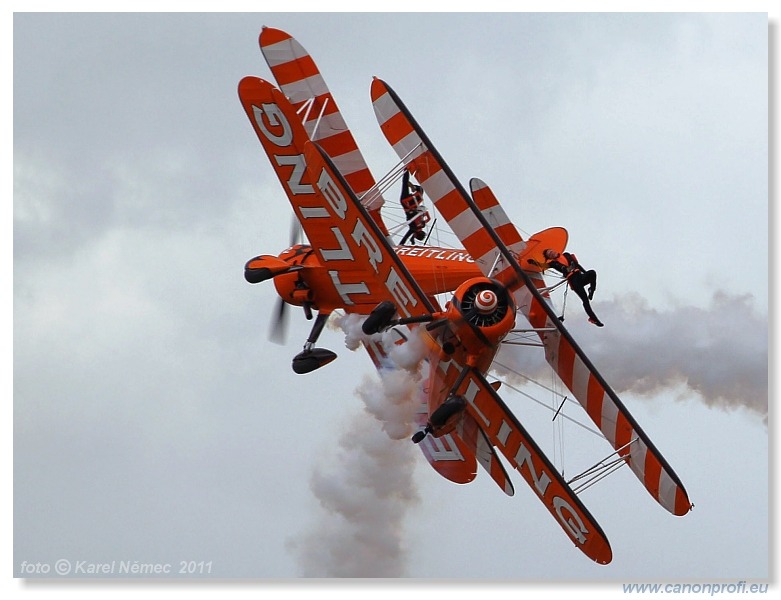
(487, 311)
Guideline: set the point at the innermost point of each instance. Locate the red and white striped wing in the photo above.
(484, 229)
(438, 181)
(601, 402)
(493, 214)
(300, 80)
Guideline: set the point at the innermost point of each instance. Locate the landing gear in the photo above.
(312, 358)
(419, 435)
(452, 406)
(379, 318)
(439, 418)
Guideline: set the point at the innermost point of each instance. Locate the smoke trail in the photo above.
(367, 488)
(719, 353)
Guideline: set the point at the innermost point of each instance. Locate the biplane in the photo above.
(356, 267)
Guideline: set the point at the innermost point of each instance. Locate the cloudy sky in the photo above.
(153, 420)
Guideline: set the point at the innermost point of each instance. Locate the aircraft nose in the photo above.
(486, 302)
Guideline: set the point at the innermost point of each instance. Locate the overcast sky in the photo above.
(154, 421)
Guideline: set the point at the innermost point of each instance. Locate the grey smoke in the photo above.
(366, 487)
(365, 492)
(719, 354)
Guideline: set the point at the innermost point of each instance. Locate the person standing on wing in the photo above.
(577, 278)
(412, 202)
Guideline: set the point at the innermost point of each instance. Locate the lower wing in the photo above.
(504, 431)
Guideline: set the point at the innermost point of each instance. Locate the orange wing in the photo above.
(489, 422)
(363, 269)
(449, 455)
(362, 248)
(300, 80)
(485, 453)
(348, 258)
(506, 433)
(456, 455)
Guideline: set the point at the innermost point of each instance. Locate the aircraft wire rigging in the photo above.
(601, 469)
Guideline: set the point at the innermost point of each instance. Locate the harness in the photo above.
(568, 264)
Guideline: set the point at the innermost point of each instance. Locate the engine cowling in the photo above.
(292, 286)
(483, 311)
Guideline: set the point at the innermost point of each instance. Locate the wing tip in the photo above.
(271, 35)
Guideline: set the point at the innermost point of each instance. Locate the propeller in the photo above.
(278, 333)
(295, 232)
(279, 324)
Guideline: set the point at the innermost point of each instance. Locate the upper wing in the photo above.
(474, 222)
(282, 136)
(438, 181)
(471, 226)
(300, 80)
(350, 259)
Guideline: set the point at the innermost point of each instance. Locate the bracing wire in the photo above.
(532, 398)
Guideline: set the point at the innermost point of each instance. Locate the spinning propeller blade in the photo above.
(295, 232)
(278, 333)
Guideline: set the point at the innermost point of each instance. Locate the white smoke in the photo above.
(719, 354)
(367, 488)
(351, 326)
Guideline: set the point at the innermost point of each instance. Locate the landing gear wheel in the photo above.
(379, 318)
(310, 360)
(447, 409)
(418, 437)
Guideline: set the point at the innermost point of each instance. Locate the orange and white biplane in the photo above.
(353, 265)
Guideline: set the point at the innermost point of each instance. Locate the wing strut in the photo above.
(600, 470)
(307, 106)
